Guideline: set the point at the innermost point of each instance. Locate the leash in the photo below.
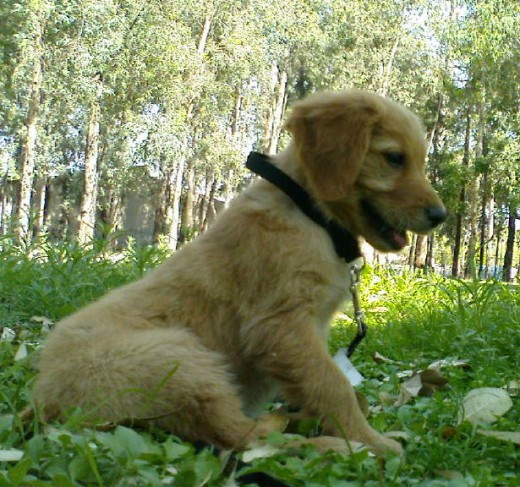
(359, 316)
(345, 244)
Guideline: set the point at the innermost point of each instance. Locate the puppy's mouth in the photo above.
(394, 238)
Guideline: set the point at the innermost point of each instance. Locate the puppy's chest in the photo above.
(336, 293)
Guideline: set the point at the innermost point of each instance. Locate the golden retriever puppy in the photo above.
(240, 316)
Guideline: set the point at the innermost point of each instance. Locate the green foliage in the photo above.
(54, 279)
(443, 317)
(414, 319)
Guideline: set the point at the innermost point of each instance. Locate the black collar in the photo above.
(347, 247)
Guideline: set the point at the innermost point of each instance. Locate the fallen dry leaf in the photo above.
(432, 380)
(424, 383)
(409, 389)
(10, 455)
(263, 451)
(21, 353)
(485, 405)
(513, 436)
(450, 474)
(381, 359)
(8, 334)
(46, 322)
(450, 362)
(448, 432)
(413, 385)
(386, 398)
(513, 388)
(42, 319)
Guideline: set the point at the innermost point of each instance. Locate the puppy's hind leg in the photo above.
(163, 377)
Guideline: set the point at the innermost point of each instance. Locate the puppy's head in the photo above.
(363, 158)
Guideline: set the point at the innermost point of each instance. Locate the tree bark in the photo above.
(203, 39)
(111, 211)
(457, 246)
(486, 227)
(163, 202)
(388, 69)
(428, 263)
(40, 189)
(420, 252)
(207, 208)
(411, 252)
(175, 215)
(187, 227)
(278, 111)
(473, 195)
(273, 124)
(87, 218)
(470, 270)
(487, 203)
(6, 203)
(28, 145)
(510, 244)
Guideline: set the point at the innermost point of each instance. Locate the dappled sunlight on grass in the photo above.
(414, 320)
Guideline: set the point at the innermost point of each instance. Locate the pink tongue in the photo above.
(399, 239)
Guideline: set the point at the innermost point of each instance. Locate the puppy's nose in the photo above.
(436, 215)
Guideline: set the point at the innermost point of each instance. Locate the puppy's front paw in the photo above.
(381, 445)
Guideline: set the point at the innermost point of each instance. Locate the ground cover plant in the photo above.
(415, 320)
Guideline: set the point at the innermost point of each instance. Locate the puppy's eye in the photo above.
(395, 159)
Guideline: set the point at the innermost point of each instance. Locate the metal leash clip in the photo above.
(359, 317)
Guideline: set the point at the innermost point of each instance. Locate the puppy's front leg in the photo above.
(295, 356)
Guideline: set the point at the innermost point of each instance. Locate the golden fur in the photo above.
(240, 316)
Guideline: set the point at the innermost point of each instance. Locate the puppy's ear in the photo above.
(331, 133)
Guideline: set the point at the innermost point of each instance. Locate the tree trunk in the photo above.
(487, 206)
(482, 230)
(278, 111)
(420, 252)
(486, 227)
(87, 217)
(6, 203)
(473, 195)
(457, 246)
(187, 227)
(388, 69)
(428, 262)
(235, 118)
(39, 196)
(207, 203)
(411, 252)
(273, 124)
(175, 209)
(510, 244)
(111, 212)
(498, 244)
(28, 144)
(470, 270)
(163, 202)
(203, 39)
(57, 217)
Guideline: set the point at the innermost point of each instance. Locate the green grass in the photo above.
(413, 320)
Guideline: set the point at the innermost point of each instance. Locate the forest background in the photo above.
(134, 118)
